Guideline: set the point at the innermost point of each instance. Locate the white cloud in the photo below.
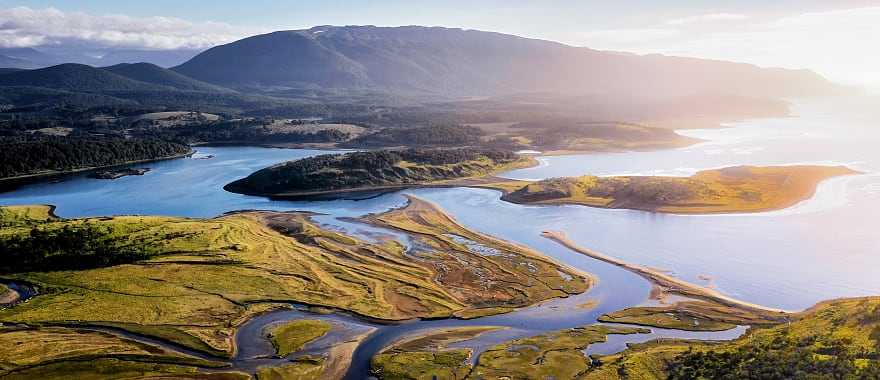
(840, 44)
(27, 27)
(710, 17)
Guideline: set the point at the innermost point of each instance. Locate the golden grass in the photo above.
(556, 355)
(486, 273)
(208, 276)
(304, 368)
(17, 216)
(291, 336)
(728, 190)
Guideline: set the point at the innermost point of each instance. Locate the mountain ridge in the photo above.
(463, 62)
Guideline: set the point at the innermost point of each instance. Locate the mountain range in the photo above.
(412, 60)
(460, 62)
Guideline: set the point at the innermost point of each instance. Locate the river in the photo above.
(822, 248)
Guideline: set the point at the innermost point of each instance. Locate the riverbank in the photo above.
(669, 284)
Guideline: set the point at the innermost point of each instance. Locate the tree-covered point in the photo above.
(437, 135)
(373, 169)
(25, 155)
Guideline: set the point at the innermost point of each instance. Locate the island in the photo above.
(735, 189)
(118, 173)
(372, 171)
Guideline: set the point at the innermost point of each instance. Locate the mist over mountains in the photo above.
(459, 62)
(266, 71)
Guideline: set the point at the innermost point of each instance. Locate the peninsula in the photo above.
(359, 172)
(729, 190)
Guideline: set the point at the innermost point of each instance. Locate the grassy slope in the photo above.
(736, 189)
(210, 275)
(17, 216)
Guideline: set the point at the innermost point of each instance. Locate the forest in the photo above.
(76, 247)
(34, 154)
(783, 358)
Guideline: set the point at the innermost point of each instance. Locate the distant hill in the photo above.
(150, 73)
(143, 84)
(12, 62)
(161, 58)
(76, 77)
(474, 63)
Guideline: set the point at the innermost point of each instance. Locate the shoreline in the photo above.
(11, 183)
(527, 161)
(590, 278)
(665, 282)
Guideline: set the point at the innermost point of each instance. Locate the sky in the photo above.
(839, 39)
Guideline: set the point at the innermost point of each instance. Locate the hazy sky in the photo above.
(838, 38)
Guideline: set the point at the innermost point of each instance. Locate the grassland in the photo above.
(695, 315)
(303, 368)
(837, 339)
(729, 190)
(556, 355)
(205, 277)
(491, 274)
(18, 216)
(427, 356)
(293, 335)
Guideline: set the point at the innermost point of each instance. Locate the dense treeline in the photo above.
(557, 132)
(242, 131)
(372, 168)
(781, 359)
(437, 135)
(22, 155)
(68, 248)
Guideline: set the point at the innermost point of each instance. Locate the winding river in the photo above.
(822, 248)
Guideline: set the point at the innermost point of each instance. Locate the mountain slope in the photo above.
(150, 73)
(161, 58)
(76, 77)
(467, 62)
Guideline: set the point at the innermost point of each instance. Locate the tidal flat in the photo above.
(193, 282)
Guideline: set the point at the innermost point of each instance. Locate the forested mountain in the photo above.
(76, 77)
(468, 62)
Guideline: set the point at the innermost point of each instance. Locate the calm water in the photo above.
(823, 248)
